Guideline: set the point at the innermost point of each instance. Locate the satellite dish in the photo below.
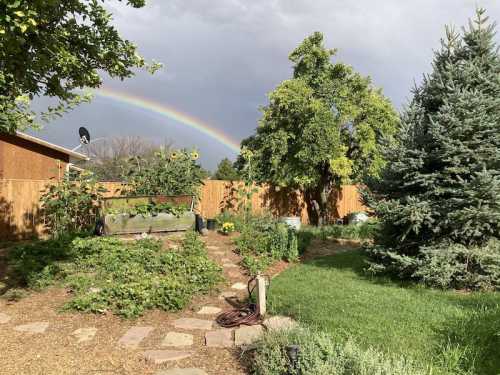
(84, 136)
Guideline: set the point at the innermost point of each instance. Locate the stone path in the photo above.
(176, 346)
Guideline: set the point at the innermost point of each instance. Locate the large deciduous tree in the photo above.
(439, 196)
(51, 48)
(226, 171)
(323, 127)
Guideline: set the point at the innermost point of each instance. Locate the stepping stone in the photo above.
(226, 260)
(209, 310)
(133, 337)
(177, 339)
(161, 356)
(221, 338)
(247, 335)
(235, 274)
(84, 334)
(211, 247)
(182, 371)
(33, 328)
(229, 265)
(95, 290)
(4, 318)
(190, 323)
(219, 253)
(225, 295)
(279, 322)
(239, 286)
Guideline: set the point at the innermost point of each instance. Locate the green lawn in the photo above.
(446, 330)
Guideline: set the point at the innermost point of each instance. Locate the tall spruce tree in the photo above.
(439, 196)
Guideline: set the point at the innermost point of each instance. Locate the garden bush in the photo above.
(71, 205)
(362, 231)
(321, 354)
(263, 241)
(106, 274)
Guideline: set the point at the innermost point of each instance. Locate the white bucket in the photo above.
(292, 221)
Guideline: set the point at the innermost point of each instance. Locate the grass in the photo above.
(451, 332)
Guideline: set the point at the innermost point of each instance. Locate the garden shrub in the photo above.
(106, 274)
(71, 205)
(167, 173)
(265, 241)
(362, 231)
(321, 354)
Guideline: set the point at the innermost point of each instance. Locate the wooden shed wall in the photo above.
(22, 159)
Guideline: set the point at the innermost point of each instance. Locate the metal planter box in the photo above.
(122, 223)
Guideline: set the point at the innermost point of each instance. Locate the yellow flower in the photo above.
(227, 227)
(174, 155)
(194, 155)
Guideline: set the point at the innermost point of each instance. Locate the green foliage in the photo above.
(446, 331)
(106, 274)
(52, 48)
(324, 127)
(226, 171)
(321, 354)
(264, 241)
(362, 231)
(441, 185)
(71, 205)
(168, 173)
(151, 209)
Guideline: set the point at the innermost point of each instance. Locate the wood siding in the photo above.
(22, 159)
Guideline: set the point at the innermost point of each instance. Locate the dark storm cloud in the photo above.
(223, 56)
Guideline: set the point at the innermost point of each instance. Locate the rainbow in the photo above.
(170, 113)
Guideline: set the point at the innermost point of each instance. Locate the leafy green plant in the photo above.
(71, 205)
(167, 173)
(151, 209)
(262, 242)
(321, 354)
(106, 274)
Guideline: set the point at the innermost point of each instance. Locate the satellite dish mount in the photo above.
(84, 136)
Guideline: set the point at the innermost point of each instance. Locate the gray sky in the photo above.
(222, 57)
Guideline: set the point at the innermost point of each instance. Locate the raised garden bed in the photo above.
(146, 214)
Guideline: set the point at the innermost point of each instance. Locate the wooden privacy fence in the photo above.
(20, 211)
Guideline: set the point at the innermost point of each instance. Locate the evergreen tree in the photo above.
(439, 196)
(226, 171)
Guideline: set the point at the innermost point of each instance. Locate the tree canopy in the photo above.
(226, 171)
(52, 48)
(323, 127)
(439, 196)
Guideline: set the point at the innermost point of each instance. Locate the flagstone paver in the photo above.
(177, 339)
(84, 334)
(133, 337)
(4, 318)
(209, 310)
(229, 265)
(212, 247)
(279, 322)
(239, 286)
(161, 356)
(229, 294)
(191, 323)
(246, 335)
(221, 338)
(182, 371)
(33, 328)
(219, 253)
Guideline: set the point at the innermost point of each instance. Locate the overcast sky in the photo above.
(222, 57)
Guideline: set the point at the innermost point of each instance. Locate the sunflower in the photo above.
(195, 155)
(174, 155)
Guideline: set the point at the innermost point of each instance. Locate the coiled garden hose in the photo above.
(247, 315)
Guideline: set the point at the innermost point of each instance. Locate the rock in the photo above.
(133, 337)
(4, 318)
(95, 290)
(246, 335)
(161, 356)
(181, 371)
(177, 339)
(279, 322)
(84, 334)
(221, 338)
(217, 252)
(190, 323)
(33, 328)
(239, 286)
(229, 265)
(226, 295)
(226, 260)
(209, 310)
(211, 247)
(204, 232)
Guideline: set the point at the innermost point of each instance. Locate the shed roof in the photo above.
(41, 142)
